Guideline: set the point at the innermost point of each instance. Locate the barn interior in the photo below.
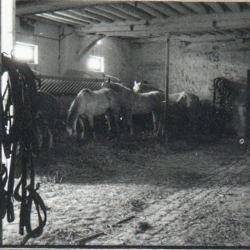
(174, 46)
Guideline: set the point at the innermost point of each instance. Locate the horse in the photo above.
(139, 103)
(48, 116)
(179, 100)
(89, 104)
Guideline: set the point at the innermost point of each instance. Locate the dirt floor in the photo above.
(142, 191)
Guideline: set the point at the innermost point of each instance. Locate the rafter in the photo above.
(115, 11)
(234, 7)
(162, 8)
(83, 17)
(178, 7)
(54, 5)
(215, 6)
(88, 43)
(72, 17)
(147, 9)
(196, 7)
(104, 13)
(91, 14)
(185, 24)
(57, 19)
(133, 11)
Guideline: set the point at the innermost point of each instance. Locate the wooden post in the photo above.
(247, 131)
(7, 43)
(166, 86)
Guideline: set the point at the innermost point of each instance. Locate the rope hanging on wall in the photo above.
(19, 140)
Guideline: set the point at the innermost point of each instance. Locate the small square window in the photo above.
(96, 64)
(26, 52)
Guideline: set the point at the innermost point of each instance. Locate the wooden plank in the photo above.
(88, 43)
(83, 16)
(104, 13)
(72, 17)
(143, 6)
(96, 16)
(185, 24)
(159, 6)
(117, 12)
(132, 11)
(196, 7)
(63, 18)
(58, 19)
(54, 5)
(215, 6)
(234, 7)
(180, 8)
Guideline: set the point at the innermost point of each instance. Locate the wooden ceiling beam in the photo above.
(132, 11)
(234, 7)
(178, 7)
(215, 6)
(54, 5)
(196, 7)
(71, 17)
(159, 6)
(185, 24)
(87, 13)
(117, 12)
(88, 43)
(104, 13)
(147, 9)
(82, 16)
(59, 20)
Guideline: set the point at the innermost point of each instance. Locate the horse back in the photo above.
(48, 107)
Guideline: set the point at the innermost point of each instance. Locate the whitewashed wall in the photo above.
(192, 66)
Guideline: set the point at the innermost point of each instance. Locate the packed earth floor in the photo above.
(143, 191)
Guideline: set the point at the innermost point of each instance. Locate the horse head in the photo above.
(137, 86)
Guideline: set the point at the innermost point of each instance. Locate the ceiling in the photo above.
(144, 19)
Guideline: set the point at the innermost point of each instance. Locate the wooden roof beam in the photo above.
(105, 14)
(87, 13)
(88, 43)
(143, 6)
(159, 6)
(234, 7)
(72, 17)
(215, 6)
(82, 16)
(184, 24)
(196, 7)
(117, 12)
(55, 19)
(132, 11)
(54, 5)
(178, 7)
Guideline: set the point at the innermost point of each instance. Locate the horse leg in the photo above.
(39, 137)
(50, 138)
(81, 123)
(108, 118)
(115, 113)
(155, 119)
(130, 123)
(91, 122)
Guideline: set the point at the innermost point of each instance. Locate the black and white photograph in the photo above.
(125, 124)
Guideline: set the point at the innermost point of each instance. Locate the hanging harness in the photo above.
(20, 144)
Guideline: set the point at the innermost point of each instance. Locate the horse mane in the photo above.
(88, 91)
(117, 86)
